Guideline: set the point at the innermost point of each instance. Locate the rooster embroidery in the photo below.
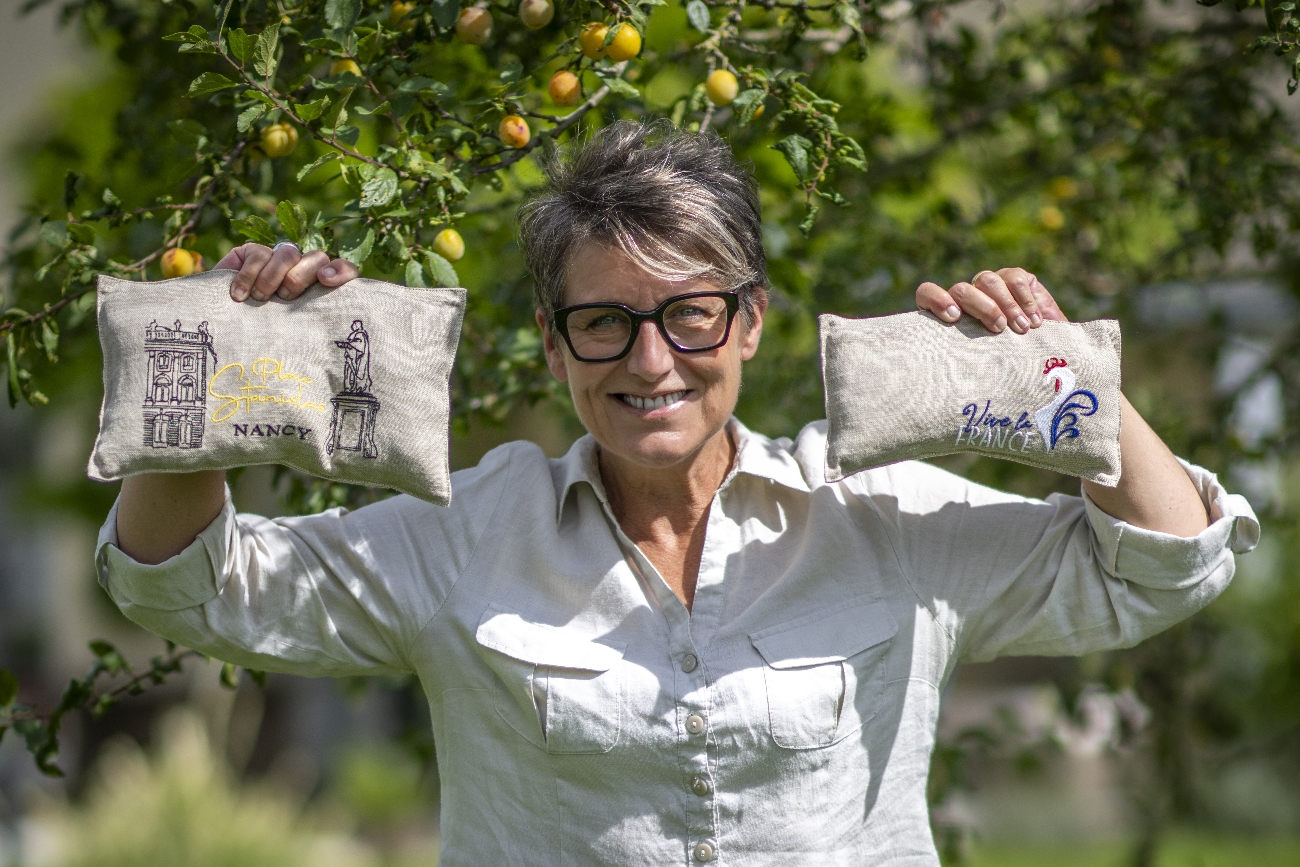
(1060, 418)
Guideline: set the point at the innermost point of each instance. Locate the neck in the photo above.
(664, 509)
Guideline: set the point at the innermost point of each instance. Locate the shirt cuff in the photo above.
(1148, 556)
(186, 580)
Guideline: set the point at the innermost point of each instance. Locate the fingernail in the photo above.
(1000, 325)
(258, 296)
(238, 293)
(1036, 319)
(327, 272)
(283, 293)
(1022, 324)
(952, 312)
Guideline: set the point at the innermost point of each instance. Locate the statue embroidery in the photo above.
(176, 385)
(352, 427)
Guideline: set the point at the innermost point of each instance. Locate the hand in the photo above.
(284, 272)
(1011, 295)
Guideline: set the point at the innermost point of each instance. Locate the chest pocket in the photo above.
(824, 674)
(562, 692)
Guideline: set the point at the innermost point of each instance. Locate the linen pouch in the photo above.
(911, 386)
(351, 384)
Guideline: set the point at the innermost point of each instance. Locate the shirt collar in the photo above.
(756, 455)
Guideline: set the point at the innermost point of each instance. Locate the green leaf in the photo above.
(441, 272)
(807, 224)
(255, 229)
(81, 233)
(319, 161)
(379, 189)
(356, 245)
(795, 148)
(414, 274)
(189, 132)
(8, 687)
(342, 14)
(49, 342)
(11, 362)
(293, 219)
(230, 675)
(445, 13)
(101, 648)
(511, 71)
(240, 44)
(249, 116)
(616, 84)
(698, 14)
(309, 111)
(347, 134)
(264, 51)
(209, 82)
(747, 103)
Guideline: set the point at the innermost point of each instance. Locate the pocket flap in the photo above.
(540, 644)
(825, 637)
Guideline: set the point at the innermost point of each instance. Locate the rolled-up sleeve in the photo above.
(1009, 575)
(336, 593)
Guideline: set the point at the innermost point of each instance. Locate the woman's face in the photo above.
(700, 388)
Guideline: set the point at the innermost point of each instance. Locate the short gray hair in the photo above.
(678, 203)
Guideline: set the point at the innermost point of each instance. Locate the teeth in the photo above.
(659, 402)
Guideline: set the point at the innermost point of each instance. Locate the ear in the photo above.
(755, 331)
(554, 354)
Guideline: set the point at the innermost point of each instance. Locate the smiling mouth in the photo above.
(647, 403)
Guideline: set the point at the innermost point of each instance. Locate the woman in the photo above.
(677, 644)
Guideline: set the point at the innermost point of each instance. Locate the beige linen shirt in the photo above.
(583, 716)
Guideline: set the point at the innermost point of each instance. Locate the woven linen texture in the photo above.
(911, 386)
(351, 384)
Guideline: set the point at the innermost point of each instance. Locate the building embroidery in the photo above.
(352, 428)
(176, 385)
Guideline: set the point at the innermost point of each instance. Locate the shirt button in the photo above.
(700, 786)
(703, 852)
(695, 725)
(689, 662)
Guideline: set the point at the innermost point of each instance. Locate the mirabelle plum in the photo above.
(449, 245)
(565, 88)
(536, 14)
(474, 25)
(721, 86)
(397, 12)
(178, 262)
(514, 131)
(342, 66)
(279, 139)
(626, 44)
(592, 40)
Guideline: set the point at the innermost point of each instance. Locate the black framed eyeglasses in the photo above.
(696, 322)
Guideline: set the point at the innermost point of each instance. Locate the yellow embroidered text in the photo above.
(256, 384)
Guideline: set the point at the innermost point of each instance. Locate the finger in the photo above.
(337, 273)
(255, 257)
(935, 299)
(1047, 304)
(1021, 284)
(996, 288)
(977, 303)
(232, 260)
(272, 275)
(302, 275)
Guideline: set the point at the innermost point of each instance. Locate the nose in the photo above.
(651, 356)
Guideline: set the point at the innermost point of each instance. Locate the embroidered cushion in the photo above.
(350, 384)
(911, 386)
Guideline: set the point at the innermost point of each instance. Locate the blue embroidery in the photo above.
(1065, 422)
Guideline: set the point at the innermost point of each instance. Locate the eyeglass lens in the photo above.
(691, 323)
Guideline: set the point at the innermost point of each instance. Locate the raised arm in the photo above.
(1154, 491)
(160, 514)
